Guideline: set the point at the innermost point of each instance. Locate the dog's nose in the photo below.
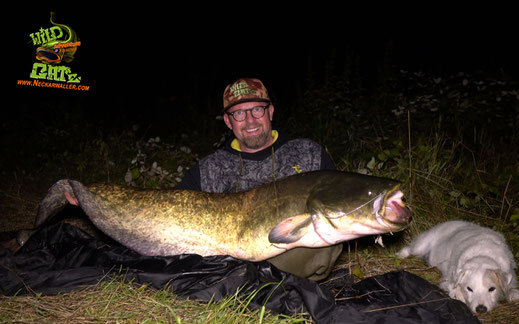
(481, 309)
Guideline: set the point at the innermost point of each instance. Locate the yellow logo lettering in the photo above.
(240, 89)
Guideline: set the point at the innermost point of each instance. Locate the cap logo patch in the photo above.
(241, 89)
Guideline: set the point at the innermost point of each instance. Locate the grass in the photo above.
(452, 140)
(117, 301)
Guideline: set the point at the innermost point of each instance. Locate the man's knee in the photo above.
(312, 263)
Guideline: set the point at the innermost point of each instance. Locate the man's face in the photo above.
(253, 134)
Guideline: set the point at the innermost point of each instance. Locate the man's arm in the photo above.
(191, 180)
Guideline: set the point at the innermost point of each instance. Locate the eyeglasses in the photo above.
(256, 112)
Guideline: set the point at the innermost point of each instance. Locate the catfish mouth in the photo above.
(45, 55)
(390, 210)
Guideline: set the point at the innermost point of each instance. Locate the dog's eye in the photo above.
(469, 289)
(491, 289)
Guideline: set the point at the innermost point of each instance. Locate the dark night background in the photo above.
(165, 67)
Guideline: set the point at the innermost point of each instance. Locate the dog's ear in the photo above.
(497, 276)
(461, 273)
(508, 278)
(456, 293)
(456, 290)
(504, 281)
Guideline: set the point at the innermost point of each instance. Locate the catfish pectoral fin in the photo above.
(94, 206)
(105, 215)
(54, 201)
(290, 230)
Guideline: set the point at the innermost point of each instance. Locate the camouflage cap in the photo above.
(244, 90)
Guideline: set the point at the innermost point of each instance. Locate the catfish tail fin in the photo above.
(57, 198)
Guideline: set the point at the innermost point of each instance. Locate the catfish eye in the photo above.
(469, 289)
(491, 289)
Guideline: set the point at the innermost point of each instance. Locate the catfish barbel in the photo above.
(313, 209)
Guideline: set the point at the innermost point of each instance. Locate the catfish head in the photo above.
(349, 205)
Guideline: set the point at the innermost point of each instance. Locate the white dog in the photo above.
(476, 264)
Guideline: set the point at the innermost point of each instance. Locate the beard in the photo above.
(256, 141)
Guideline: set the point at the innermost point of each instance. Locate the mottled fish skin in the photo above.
(253, 225)
(54, 201)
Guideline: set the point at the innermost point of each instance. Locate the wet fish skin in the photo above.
(301, 210)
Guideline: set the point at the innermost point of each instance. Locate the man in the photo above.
(258, 155)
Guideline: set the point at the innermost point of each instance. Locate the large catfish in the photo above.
(313, 209)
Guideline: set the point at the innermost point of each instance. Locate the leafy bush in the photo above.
(144, 170)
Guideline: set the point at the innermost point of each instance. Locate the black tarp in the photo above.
(61, 257)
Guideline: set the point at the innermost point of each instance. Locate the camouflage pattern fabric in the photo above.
(243, 90)
(227, 172)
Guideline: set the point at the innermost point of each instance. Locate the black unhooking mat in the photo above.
(61, 257)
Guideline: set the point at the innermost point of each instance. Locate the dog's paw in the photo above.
(404, 253)
(513, 295)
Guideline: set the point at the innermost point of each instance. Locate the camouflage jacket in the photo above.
(229, 170)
